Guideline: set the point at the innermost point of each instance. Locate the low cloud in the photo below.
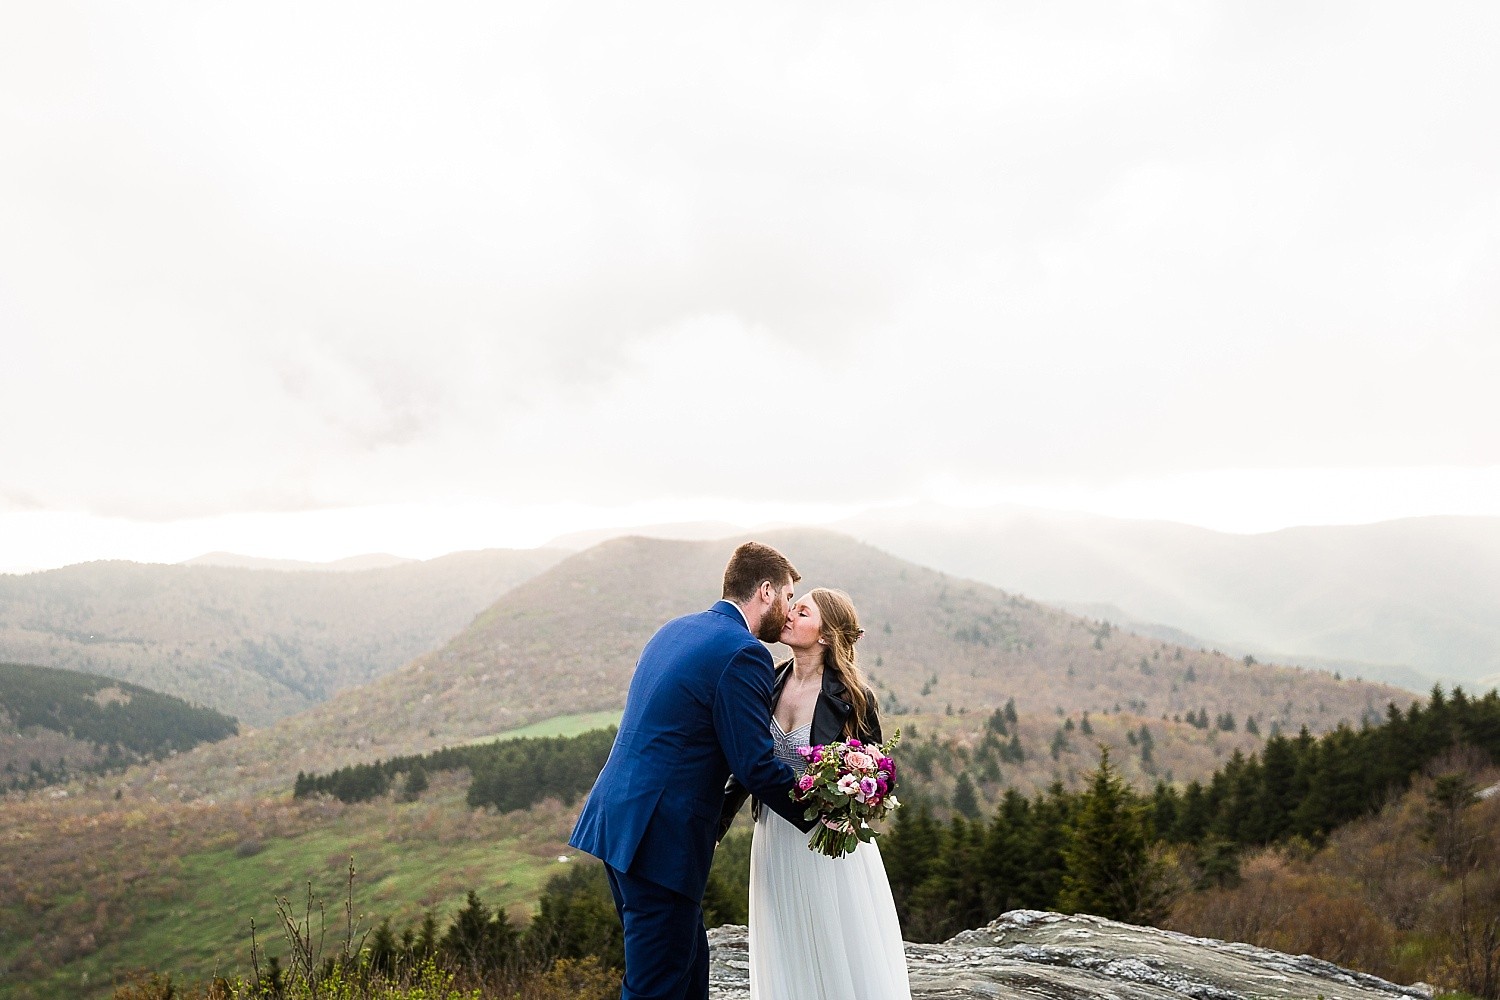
(331, 254)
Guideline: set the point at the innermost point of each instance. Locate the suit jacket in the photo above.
(830, 714)
(699, 708)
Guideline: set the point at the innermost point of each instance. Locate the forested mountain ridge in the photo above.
(566, 642)
(217, 831)
(56, 724)
(257, 644)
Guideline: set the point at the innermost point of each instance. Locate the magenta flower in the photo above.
(855, 744)
(806, 782)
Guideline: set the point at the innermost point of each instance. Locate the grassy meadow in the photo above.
(105, 888)
(193, 883)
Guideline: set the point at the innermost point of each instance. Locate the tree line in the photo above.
(506, 774)
(138, 725)
(1105, 848)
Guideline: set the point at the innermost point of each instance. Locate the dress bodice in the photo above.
(787, 744)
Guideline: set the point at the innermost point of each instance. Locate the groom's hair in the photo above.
(753, 564)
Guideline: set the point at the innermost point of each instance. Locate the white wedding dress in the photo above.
(820, 928)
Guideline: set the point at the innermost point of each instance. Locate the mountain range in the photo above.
(937, 648)
(162, 866)
(258, 644)
(1421, 594)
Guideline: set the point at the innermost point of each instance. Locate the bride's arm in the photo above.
(735, 795)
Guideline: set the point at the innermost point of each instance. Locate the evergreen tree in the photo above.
(911, 851)
(479, 939)
(383, 949)
(1110, 872)
(996, 723)
(965, 803)
(1003, 858)
(427, 937)
(576, 918)
(416, 783)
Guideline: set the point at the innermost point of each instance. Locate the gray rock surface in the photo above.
(1031, 955)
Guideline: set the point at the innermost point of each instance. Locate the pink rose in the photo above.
(806, 782)
(859, 761)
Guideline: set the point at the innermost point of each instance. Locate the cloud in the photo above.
(322, 254)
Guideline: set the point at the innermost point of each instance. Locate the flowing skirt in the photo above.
(820, 928)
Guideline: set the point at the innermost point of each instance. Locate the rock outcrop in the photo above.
(1030, 955)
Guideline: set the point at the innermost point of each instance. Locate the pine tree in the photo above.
(427, 937)
(477, 938)
(996, 723)
(964, 800)
(383, 949)
(576, 918)
(1110, 872)
(416, 783)
(911, 850)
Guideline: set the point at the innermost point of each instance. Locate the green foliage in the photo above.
(507, 774)
(576, 918)
(1108, 867)
(1093, 850)
(965, 803)
(127, 723)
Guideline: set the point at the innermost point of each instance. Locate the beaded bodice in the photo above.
(787, 744)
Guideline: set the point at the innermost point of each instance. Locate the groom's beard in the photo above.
(773, 622)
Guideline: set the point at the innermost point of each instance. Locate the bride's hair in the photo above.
(841, 631)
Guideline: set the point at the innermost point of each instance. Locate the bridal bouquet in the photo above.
(846, 786)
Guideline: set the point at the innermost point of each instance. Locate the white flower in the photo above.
(848, 784)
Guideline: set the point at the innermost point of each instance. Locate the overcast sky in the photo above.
(317, 278)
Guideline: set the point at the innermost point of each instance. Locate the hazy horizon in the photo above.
(339, 533)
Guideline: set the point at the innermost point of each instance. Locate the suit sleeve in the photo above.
(742, 719)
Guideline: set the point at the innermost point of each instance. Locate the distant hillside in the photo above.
(566, 642)
(55, 724)
(258, 644)
(1424, 592)
(1403, 677)
(688, 531)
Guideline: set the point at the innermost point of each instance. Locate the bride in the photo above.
(820, 928)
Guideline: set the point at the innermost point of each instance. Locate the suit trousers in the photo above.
(666, 946)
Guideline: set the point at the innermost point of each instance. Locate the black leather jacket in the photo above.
(830, 715)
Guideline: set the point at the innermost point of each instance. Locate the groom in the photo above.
(699, 708)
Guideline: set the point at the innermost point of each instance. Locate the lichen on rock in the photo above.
(1034, 955)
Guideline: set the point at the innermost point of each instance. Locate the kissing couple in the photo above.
(710, 720)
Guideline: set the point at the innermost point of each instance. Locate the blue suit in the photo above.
(698, 709)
